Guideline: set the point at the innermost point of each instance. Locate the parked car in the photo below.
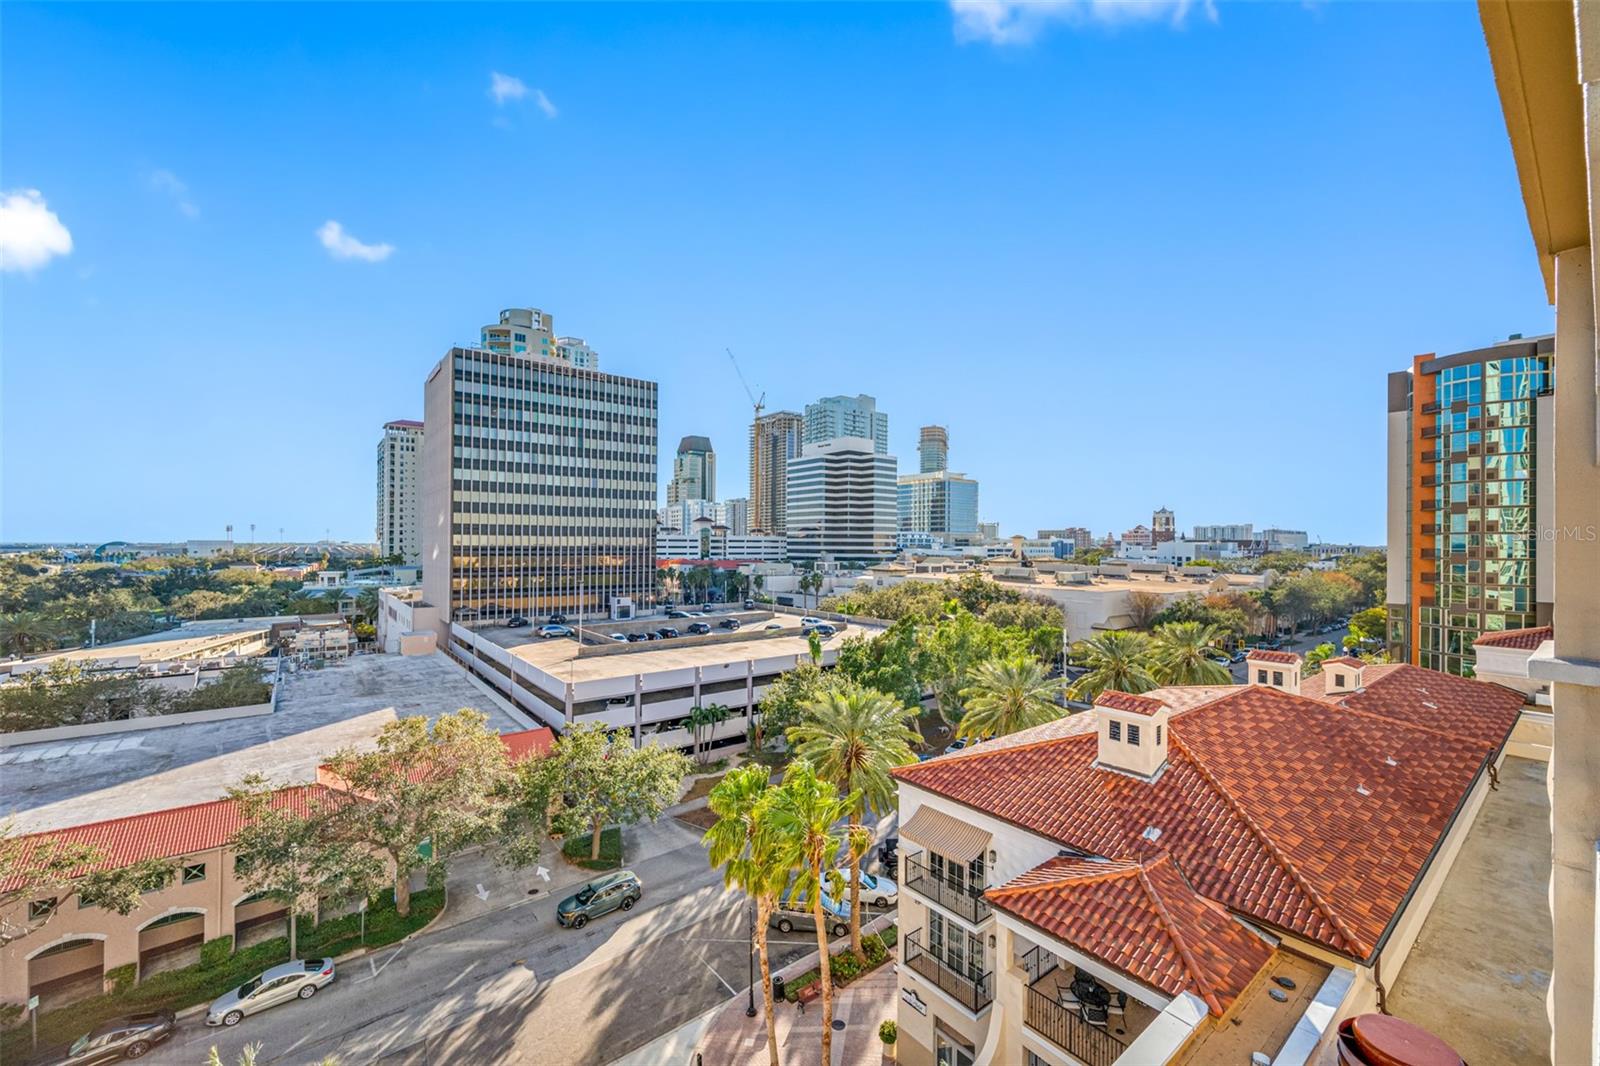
(620, 890)
(728, 623)
(128, 1037)
(677, 614)
(708, 609)
(558, 619)
(1239, 656)
(699, 628)
(1221, 660)
(794, 912)
(749, 604)
(618, 637)
(554, 630)
(516, 621)
(666, 633)
(772, 625)
(807, 620)
(634, 638)
(292, 980)
(876, 890)
(821, 629)
(956, 745)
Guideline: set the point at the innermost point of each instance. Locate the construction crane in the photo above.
(757, 519)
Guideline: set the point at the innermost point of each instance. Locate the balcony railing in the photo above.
(1087, 1043)
(966, 902)
(973, 993)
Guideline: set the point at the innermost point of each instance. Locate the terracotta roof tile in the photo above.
(1143, 919)
(1345, 660)
(1267, 655)
(1127, 701)
(1318, 825)
(1425, 698)
(1522, 639)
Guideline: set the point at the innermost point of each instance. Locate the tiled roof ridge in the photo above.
(976, 752)
(1197, 973)
(1267, 842)
(1498, 638)
(1116, 868)
(310, 787)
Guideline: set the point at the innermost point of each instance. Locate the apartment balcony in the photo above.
(1430, 432)
(1431, 408)
(1430, 480)
(1430, 505)
(965, 902)
(975, 993)
(1430, 457)
(1429, 530)
(1430, 553)
(1091, 1021)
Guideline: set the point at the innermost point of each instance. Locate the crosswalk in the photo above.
(38, 752)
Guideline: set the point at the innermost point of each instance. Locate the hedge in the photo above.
(204, 981)
(845, 967)
(576, 850)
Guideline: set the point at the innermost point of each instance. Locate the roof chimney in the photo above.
(1132, 734)
(1341, 675)
(1274, 669)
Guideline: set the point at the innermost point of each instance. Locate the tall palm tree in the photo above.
(751, 861)
(1117, 659)
(28, 631)
(798, 823)
(1183, 653)
(1007, 695)
(367, 605)
(854, 737)
(705, 719)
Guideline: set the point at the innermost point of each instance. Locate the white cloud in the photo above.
(342, 245)
(1020, 21)
(504, 87)
(168, 182)
(30, 233)
(544, 103)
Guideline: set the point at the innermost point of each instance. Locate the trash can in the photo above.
(777, 988)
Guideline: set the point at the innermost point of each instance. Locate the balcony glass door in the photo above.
(949, 1052)
(959, 950)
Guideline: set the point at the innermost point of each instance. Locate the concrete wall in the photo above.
(131, 725)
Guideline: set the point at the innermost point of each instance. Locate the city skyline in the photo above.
(247, 301)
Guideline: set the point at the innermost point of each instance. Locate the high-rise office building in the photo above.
(681, 515)
(399, 452)
(939, 502)
(933, 449)
(736, 516)
(847, 416)
(1163, 525)
(577, 352)
(1470, 482)
(694, 471)
(538, 486)
(841, 502)
(775, 438)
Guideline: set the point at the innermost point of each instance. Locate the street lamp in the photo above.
(750, 1011)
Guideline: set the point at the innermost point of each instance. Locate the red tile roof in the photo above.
(1267, 655)
(1127, 701)
(528, 742)
(166, 834)
(1427, 699)
(1345, 660)
(1521, 639)
(1143, 919)
(1319, 825)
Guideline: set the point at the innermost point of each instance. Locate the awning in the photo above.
(944, 835)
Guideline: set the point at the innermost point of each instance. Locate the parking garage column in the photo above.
(638, 708)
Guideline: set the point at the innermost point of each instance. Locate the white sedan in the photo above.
(876, 889)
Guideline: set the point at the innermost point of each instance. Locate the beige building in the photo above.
(1546, 60)
(1133, 885)
(399, 454)
(775, 438)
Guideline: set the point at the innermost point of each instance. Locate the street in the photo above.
(498, 980)
(1302, 643)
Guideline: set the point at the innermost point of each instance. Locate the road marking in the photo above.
(376, 969)
(731, 990)
(457, 978)
(483, 893)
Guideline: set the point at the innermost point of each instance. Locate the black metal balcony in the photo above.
(966, 902)
(973, 993)
(1087, 1043)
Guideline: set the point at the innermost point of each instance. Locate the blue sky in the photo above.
(1129, 260)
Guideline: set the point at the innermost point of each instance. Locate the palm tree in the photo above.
(28, 631)
(854, 737)
(758, 582)
(1117, 659)
(798, 824)
(749, 860)
(1184, 653)
(367, 605)
(1007, 695)
(706, 718)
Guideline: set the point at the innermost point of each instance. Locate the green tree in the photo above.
(46, 866)
(1371, 571)
(1185, 653)
(703, 722)
(951, 650)
(1007, 695)
(854, 738)
(1116, 659)
(814, 647)
(1367, 626)
(887, 662)
(367, 605)
(799, 821)
(297, 859)
(750, 860)
(788, 695)
(605, 780)
(28, 632)
(1317, 656)
(529, 794)
(439, 788)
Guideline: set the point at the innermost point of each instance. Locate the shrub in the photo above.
(889, 1032)
(120, 978)
(576, 850)
(215, 952)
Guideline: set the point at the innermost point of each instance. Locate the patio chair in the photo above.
(1067, 997)
(1119, 1002)
(1095, 1016)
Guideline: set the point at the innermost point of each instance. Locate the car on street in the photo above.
(956, 745)
(128, 1037)
(809, 621)
(615, 891)
(876, 890)
(821, 629)
(794, 912)
(772, 625)
(516, 621)
(281, 984)
(554, 630)
(749, 604)
(699, 628)
(728, 623)
(558, 619)
(618, 637)
(708, 609)
(666, 633)
(677, 614)
(1239, 656)
(634, 638)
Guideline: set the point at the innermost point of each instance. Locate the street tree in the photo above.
(605, 780)
(45, 868)
(298, 858)
(1185, 653)
(1007, 695)
(854, 737)
(439, 789)
(1116, 659)
(703, 722)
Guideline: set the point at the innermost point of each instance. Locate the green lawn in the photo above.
(576, 850)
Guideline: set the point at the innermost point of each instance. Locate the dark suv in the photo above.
(129, 1037)
(699, 628)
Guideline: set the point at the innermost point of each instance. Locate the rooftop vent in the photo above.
(1388, 760)
(1430, 705)
(1151, 833)
(1363, 790)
